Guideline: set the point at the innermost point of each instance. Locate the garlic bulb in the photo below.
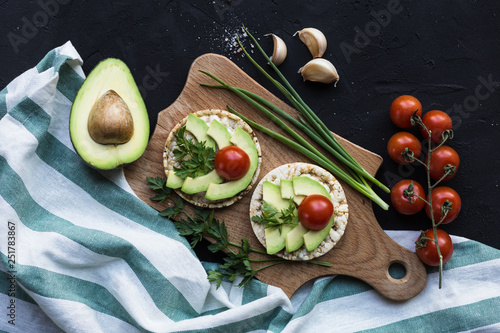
(315, 41)
(319, 70)
(279, 50)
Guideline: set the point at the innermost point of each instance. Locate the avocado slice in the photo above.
(286, 186)
(219, 133)
(275, 239)
(243, 140)
(216, 134)
(304, 186)
(198, 127)
(201, 183)
(313, 238)
(295, 238)
(109, 124)
(174, 181)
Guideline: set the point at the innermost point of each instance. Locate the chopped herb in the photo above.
(197, 158)
(203, 224)
(159, 184)
(270, 217)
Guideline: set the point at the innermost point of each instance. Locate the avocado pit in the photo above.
(110, 120)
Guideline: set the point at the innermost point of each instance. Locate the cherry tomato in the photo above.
(398, 142)
(439, 196)
(403, 108)
(440, 158)
(231, 162)
(401, 202)
(315, 211)
(428, 254)
(437, 122)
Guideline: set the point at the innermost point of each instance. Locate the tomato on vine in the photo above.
(406, 197)
(441, 164)
(444, 199)
(399, 142)
(436, 122)
(403, 108)
(426, 247)
(444, 159)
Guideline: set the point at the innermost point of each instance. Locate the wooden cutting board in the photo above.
(364, 252)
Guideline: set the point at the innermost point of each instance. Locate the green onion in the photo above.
(303, 127)
(310, 124)
(301, 149)
(305, 110)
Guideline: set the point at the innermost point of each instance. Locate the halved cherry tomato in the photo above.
(428, 253)
(440, 158)
(439, 196)
(403, 108)
(315, 211)
(401, 202)
(398, 142)
(436, 122)
(231, 163)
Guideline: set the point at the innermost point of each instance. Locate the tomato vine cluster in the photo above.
(441, 203)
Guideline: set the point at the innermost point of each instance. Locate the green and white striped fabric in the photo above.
(81, 253)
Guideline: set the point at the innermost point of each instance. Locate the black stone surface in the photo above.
(443, 52)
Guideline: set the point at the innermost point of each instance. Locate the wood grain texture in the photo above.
(364, 252)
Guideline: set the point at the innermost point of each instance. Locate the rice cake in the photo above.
(231, 122)
(341, 210)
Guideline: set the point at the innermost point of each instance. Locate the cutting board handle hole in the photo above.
(397, 271)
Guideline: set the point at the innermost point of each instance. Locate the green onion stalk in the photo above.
(309, 124)
(316, 123)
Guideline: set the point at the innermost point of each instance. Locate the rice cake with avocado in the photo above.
(231, 122)
(331, 184)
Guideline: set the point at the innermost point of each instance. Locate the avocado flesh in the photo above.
(295, 238)
(243, 140)
(313, 238)
(214, 136)
(109, 75)
(287, 191)
(200, 184)
(219, 134)
(275, 239)
(304, 186)
(198, 127)
(174, 181)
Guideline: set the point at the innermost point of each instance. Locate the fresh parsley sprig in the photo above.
(200, 158)
(270, 216)
(202, 223)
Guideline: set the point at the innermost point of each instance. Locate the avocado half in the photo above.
(109, 123)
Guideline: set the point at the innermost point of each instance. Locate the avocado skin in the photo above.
(109, 74)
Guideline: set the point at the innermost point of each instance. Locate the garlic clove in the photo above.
(279, 50)
(315, 41)
(319, 70)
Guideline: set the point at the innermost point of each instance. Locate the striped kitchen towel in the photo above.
(81, 253)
